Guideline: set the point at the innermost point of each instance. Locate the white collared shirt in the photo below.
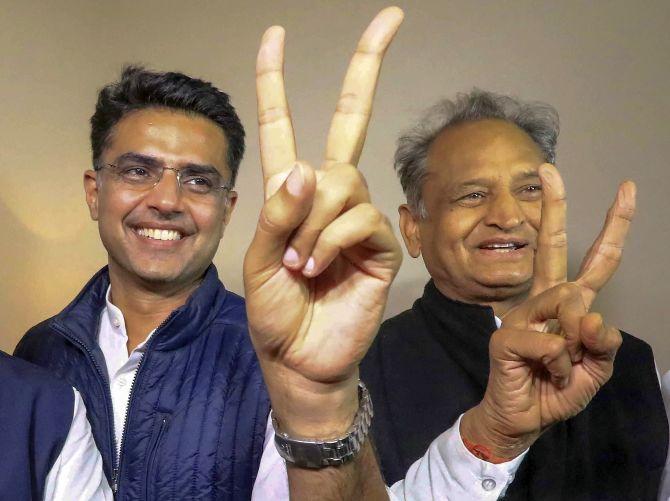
(77, 470)
(447, 470)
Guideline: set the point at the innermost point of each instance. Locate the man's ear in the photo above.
(409, 228)
(91, 190)
(231, 201)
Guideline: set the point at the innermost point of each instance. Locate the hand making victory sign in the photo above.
(318, 270)
(604, 256)
(551, 355)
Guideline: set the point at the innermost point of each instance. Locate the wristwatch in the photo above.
(315, 454)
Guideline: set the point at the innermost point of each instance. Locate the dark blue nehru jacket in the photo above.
(198, 408)
(35, 418)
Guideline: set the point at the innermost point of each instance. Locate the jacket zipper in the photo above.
(130, 400)
(108, 400)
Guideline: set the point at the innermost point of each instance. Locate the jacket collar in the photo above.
(463, 330)
(80, 320)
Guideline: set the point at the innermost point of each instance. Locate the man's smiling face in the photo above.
(162, 234)
(482, 194)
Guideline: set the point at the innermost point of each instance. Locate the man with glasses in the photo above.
(155, 344)
(158, 348)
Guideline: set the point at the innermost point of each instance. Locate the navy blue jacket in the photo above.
(198, 409)
(35, 418)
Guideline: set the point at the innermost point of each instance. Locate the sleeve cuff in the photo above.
(490, 480)
(449, 470)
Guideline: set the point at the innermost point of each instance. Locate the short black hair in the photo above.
(139, 88)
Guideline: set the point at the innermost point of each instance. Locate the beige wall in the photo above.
(603, 64)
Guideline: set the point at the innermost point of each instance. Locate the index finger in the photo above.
(550, 266)
(275, 130)
(354, 107)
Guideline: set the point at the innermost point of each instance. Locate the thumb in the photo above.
(281, 214)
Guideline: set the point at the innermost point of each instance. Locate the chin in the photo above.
(503, 289)
(152, 270)
(157, 276)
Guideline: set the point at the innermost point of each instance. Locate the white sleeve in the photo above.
(449, 471)
(272, 479)
(77, 472)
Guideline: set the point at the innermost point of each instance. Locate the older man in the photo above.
(473, 171)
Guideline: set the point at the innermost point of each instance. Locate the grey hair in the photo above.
(538, 120)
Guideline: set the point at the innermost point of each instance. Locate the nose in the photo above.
(166, 196)
(505, 212)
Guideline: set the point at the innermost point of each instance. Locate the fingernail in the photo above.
(295, 181)
(309, 267)
(291, 256)
(546, 174)
(624, 195)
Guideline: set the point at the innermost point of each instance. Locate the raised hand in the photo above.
(538, 378)
(535, 380)
(322, 259)
(604, 256)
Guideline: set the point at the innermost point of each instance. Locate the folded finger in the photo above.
(339, 189)
(365, 235)
(281, 214)
(562, 302)
(598, 338)
(548, 350)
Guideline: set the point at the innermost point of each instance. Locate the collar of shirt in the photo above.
(113, 340)
(121, 366)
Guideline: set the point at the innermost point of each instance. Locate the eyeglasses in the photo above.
(194, 181)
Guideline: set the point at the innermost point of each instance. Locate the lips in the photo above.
(157, 234)
(503, 245)
(160, 231)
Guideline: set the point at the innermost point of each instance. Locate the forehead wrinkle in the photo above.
(174, 135)
(480, 152)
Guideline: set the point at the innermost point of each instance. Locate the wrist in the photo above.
(483, 438)
(320, 453)
(303, 408)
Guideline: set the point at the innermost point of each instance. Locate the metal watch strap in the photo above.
(308, 453)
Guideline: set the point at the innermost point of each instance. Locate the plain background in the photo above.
(602, 64)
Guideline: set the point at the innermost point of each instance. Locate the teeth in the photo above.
(156, 234)
(508, 246)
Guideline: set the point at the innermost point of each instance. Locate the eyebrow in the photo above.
(202, 168)
(481, 181)
(150, 160)
(527, 174)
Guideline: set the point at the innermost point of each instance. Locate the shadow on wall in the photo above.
(39, 275)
